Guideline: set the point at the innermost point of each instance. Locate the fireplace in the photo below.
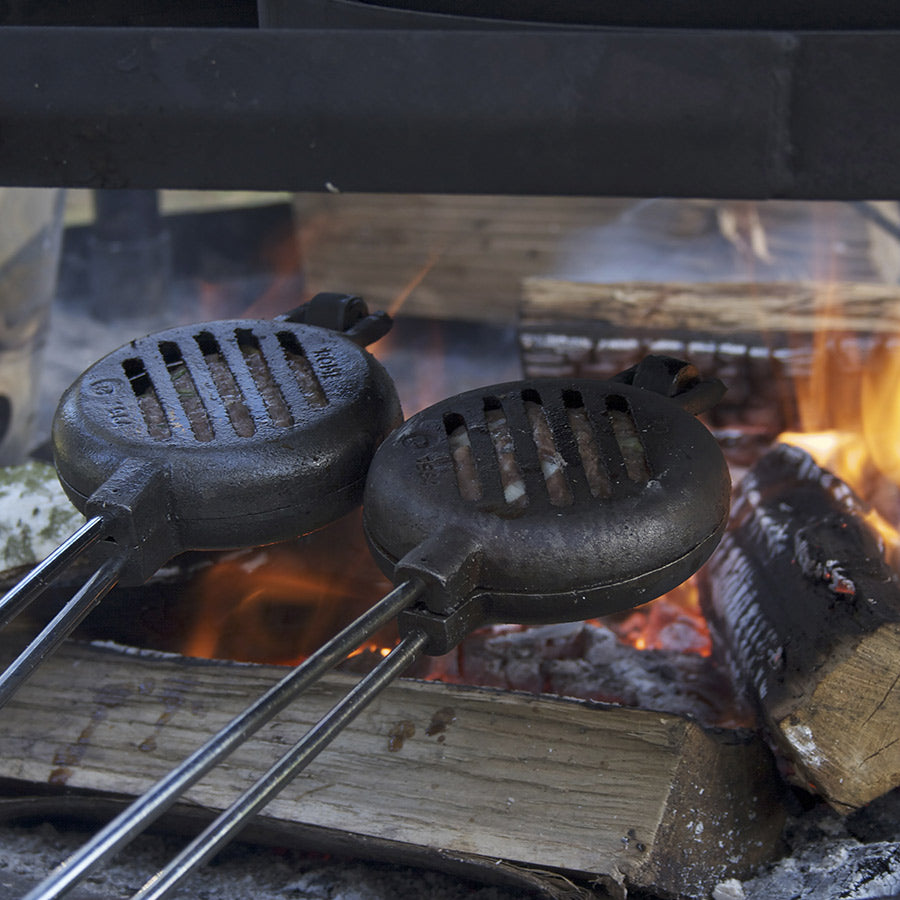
(749, 137)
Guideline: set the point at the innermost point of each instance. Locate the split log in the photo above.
(758, 338)
(631, 797)
(448, 257)
(465, 256)
(807, 612)
(723, 308)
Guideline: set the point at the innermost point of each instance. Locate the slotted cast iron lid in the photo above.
(265, 428)
(551, 500)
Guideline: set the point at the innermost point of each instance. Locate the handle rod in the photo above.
(230, 822)
(61, 625)
(45, 573)
(149, 807)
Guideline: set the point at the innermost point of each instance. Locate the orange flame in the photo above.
(849, 414)
(404, 294)
(278, 604)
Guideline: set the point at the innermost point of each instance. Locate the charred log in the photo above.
(807, 613)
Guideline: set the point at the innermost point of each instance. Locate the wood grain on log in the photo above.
(724, 308)
(450, 257)
(808, 614)
(634, 797)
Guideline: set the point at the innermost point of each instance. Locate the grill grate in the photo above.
(238, 380)
(563, 437)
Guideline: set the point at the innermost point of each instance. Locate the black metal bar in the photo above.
(641, 112)
(793, 15)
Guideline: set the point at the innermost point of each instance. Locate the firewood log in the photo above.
(723, 308)
(631, 797)
(807, 612)
(440, 256)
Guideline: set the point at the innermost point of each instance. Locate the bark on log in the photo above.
(632, 797)
(35, 517)
(808, 615)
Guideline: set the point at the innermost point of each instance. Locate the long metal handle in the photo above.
(42, 575)
(227, 825)
(62, 624)
(146, 809)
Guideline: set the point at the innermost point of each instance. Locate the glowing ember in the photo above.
(672, 622)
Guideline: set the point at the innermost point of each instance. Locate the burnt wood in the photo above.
(807, 613)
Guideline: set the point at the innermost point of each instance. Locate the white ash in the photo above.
(831, 857)
(588, 661)
(842, 870)
(240, 872)
(730, 889)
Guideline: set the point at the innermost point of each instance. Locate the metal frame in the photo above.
(629, 112)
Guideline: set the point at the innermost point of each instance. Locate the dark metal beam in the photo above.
(594, 112)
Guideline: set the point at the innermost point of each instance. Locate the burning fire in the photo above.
(671, 622)
(278, 604)
(848, 407)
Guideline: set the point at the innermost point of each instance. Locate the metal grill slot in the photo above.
(223, 378)
(505, 450)
(552, 463)
(467, 479)
(591, 462)
(628, 439)
(186, 391)
(147, 399)
(301, 369)
(262, 376)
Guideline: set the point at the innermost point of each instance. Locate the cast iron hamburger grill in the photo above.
(221, 435)
(562, 501)
(254, 430)
(536, 501)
